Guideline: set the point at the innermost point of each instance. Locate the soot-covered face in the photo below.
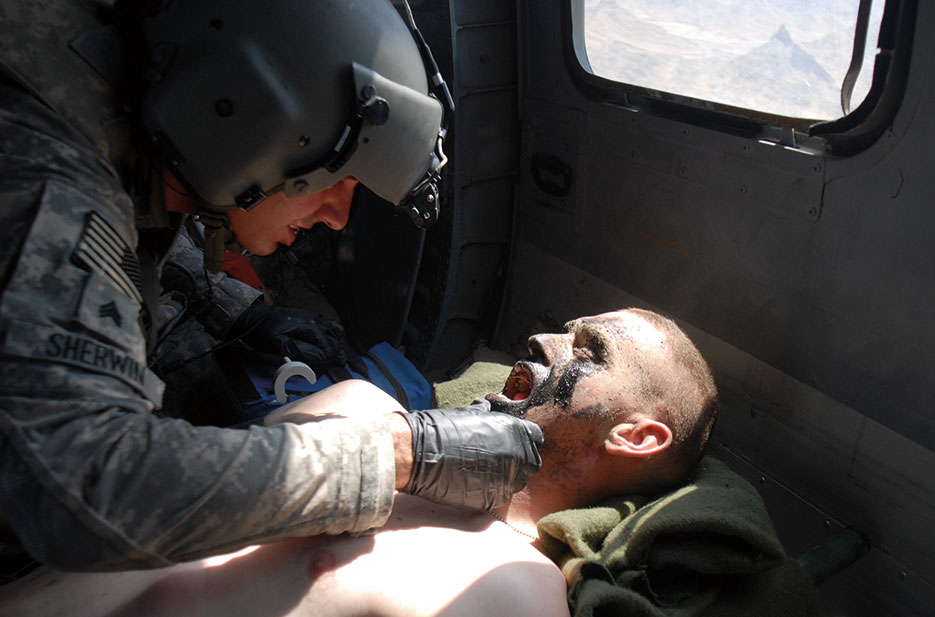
(585, 370)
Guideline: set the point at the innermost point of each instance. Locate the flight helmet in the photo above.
(247, 98)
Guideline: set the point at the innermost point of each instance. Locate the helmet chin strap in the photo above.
(218, 238)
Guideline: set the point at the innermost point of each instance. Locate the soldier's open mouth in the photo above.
(523, 388)
(518, 384)
(518, 390)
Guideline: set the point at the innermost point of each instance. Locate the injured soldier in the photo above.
(626, 403)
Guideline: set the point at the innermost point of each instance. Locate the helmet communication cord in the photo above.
(422, 204)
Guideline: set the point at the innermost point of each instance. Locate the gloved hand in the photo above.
(298, 334)
(471, 458)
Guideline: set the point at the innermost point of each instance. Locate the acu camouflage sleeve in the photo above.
(89, 478)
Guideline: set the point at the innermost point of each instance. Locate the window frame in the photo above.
(847, 135)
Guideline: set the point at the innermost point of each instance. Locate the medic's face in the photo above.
(278, 219)
(591, 370)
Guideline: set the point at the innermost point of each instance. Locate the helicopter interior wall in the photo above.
(807, 280)
(464, 262)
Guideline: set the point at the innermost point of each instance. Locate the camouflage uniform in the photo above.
(215, 299)
(89, 478)
(195, 313)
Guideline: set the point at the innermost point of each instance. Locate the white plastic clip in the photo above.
(287, 370)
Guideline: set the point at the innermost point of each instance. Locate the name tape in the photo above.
(35, 342)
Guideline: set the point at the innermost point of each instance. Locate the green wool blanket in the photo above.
(706, 549)
(486, 373)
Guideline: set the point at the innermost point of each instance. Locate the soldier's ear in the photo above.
(642, 438)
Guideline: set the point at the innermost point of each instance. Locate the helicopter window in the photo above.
(787, 58)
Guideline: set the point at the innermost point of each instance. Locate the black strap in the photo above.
(237, 378)
(150, 292)
(400, 391)
(338, 373)
(355, 362)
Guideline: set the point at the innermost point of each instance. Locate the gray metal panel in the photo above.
(482, 176)
(488, 208)
(489, 147)
(558, 133)
(801, 525)
(473, 12)
(482, 50)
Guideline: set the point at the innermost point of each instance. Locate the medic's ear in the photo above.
(639, 439)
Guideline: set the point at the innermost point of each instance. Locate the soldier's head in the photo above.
(624, 399)
(278, 106)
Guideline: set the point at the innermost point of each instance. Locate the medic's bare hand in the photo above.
(471, 458)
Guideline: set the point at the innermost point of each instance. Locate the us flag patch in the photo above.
(102, 248)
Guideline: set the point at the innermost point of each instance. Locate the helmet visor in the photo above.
(391, 147)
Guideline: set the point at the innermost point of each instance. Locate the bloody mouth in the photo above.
(515, 396)
(518, 384)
